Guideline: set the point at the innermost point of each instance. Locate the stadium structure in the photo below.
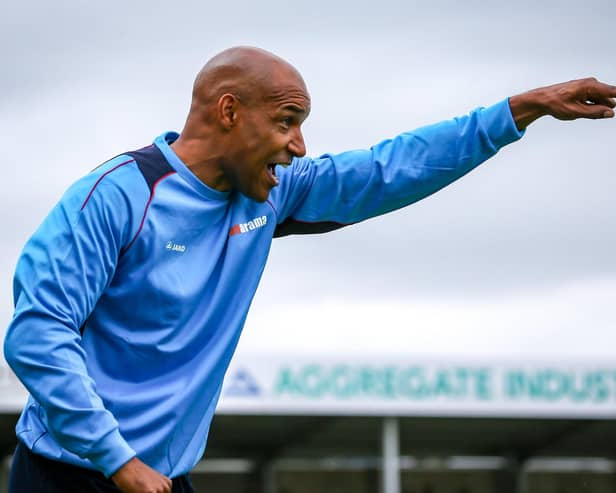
(299, 424)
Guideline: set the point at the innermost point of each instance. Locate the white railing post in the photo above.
(391, 456)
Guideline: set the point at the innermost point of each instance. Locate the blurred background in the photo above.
(506, 277)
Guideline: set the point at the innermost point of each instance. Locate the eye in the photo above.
(286, 122)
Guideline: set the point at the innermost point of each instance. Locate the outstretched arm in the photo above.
(318, 195)
(335, 190)
(583, 98)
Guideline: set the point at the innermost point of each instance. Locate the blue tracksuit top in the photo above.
(131, 296)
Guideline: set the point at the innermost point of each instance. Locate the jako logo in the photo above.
(175, 247)
(257, 222)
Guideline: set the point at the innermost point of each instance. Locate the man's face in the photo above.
(267, 133)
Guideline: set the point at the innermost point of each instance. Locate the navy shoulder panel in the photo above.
(151, 163)
(294, 227)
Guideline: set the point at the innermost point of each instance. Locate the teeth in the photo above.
(271, 169)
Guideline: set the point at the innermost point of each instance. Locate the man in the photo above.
(131, 296)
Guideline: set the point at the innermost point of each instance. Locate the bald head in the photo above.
(252, 74)
(247, 109)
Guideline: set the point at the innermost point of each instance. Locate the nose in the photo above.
(296, 144)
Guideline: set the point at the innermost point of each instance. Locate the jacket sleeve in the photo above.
(318, 195)
(60, 275)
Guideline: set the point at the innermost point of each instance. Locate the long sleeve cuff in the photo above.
(500, 124)
(112, 452)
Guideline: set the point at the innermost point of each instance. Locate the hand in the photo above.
(137, 477)
(583, 98)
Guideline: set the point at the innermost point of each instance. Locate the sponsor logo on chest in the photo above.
(240, 228)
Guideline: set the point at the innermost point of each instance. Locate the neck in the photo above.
(194, 153)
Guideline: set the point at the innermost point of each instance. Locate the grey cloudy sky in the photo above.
(516, 258)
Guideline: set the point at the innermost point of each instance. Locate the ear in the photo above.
(227, 110)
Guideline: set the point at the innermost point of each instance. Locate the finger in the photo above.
(597, 111)
(609, 102)
(586, 110)
(593, 91)
(605, 91)
(601, 99)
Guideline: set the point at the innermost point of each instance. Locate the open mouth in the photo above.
(271, 171)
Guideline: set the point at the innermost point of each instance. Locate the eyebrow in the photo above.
(294, 108)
